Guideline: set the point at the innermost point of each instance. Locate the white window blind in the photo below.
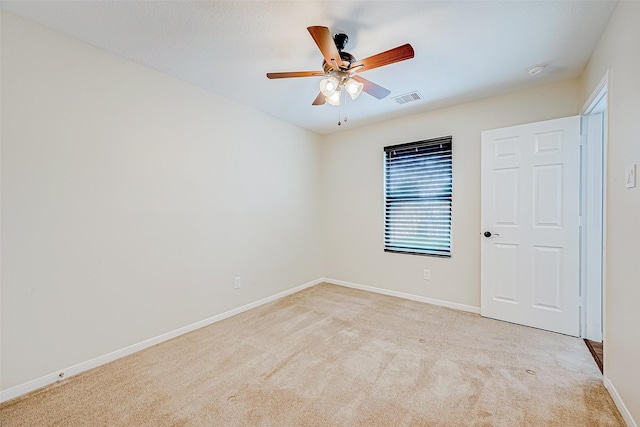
(418, 196)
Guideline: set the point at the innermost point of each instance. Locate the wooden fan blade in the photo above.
(371, 88)
(397, 54)
(327, 46)
(320, 99)
(294, 74)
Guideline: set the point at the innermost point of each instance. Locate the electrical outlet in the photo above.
(426, 275)
(236, 283)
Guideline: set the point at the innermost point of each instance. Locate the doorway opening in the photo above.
(593, 215)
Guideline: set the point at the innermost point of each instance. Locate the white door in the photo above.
(530, 224)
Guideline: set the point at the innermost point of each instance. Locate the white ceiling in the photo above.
(463, 50)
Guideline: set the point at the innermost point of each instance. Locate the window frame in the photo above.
(388, 201)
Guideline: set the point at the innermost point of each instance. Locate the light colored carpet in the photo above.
(336, 356)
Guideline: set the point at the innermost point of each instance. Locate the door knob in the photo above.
(488, 234)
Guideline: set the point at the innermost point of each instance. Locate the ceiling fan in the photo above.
(340, 68)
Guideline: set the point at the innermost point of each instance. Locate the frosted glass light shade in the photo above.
(334, 99)
(353, 88)
(329, 86)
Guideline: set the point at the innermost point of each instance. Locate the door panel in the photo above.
(547, 277)
(530, 205)
(548, 197)
(506, 259)
(506, 199)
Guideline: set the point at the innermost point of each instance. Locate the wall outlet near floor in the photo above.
(237, 282)
(426, 275)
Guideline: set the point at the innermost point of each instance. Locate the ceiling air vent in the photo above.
(407, 97)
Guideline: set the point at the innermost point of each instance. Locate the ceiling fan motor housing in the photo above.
(347, 60)
(340, 40)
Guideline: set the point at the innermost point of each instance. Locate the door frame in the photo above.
(597, 102)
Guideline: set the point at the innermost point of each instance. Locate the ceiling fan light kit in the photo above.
(334, 98)
(329, 85)
(353, 88)
(339, 68)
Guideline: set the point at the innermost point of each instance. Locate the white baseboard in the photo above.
(51, 378)
(442, 303)
(624, 411)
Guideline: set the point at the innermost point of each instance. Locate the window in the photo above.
(418, 195)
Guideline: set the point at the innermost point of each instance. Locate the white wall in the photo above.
(352, 182)
(130, 200)
(618, 51)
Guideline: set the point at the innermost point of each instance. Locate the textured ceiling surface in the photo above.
(463, 50)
